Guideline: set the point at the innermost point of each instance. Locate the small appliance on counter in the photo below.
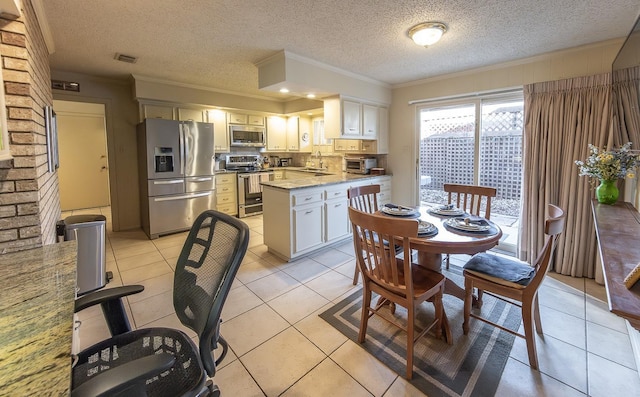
(359, 165)
(286, 162)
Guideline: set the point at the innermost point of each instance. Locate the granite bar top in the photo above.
(324, 180)
(37, 293)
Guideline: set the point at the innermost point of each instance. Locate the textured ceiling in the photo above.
(216, 43)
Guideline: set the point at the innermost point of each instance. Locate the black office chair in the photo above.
(164, 361)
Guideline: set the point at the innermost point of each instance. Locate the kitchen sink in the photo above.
(314, 169)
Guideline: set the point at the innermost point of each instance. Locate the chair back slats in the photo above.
(471, 198)
(364, 198)
(373, 234)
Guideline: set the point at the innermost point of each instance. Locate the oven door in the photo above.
(250, 192)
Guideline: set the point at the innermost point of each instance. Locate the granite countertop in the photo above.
(324, 180)
(36, 320)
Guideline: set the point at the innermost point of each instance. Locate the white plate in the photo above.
(471, 227)
(426, 228)
(398, 211)
(448, 212)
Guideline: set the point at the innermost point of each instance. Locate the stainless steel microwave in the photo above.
(359, 165)
(247, 135)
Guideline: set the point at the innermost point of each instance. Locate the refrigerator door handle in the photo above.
(171, 182)
(182, 149)
(182, 197)
(204, 179)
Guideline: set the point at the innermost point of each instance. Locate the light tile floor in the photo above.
(280, 347)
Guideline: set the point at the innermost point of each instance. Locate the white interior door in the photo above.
(83, 174)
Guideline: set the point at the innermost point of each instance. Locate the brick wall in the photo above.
(29, 199)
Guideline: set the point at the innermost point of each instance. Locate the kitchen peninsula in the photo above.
(303, 215)
(36, 317)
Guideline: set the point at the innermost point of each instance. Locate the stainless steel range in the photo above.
(250, 175)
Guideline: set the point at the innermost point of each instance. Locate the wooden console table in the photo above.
(618, 231)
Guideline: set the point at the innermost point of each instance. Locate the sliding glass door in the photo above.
(474, 142)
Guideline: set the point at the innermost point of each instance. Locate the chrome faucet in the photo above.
(319, 157)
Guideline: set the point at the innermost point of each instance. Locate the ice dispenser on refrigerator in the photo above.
(164, 159)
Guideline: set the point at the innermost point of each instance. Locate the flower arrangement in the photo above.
(609, 165)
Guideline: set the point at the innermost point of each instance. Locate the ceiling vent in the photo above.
(65, 85)
(125, 58)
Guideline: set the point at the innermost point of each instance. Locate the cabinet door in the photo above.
(368, 147)
(347, 145)
(255, 120)
(276, 133)
(336, 219)
(307, 225)
(190, 115)
(237, 118)
(158, 112)
(350, 119)
(220, 130)
(293, 139)
(369, 122)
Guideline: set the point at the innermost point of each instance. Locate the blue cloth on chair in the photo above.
(506, 269)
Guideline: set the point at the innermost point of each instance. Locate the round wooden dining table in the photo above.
(450, 241)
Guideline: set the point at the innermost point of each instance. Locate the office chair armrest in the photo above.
(110, 300)
(118, 379)
(104, 295)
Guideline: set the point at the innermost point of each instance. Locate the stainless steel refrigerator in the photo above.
(176, 166)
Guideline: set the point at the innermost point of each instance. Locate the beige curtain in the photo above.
(561, 119)
(626, 107)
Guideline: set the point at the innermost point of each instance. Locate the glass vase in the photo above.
(607, 192)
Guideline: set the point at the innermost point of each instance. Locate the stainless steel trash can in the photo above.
(90, 233)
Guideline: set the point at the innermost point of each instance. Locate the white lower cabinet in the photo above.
(336, 212)
(298, 222)
(307, 223)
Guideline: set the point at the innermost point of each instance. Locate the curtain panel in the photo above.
(561, 119)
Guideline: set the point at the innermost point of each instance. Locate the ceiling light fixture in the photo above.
(311, 96)
(284, 90)
(427, 33)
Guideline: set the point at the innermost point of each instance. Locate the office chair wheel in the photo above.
(214, 390)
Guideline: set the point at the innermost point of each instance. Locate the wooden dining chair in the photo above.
(515, 280)
(469, 198)
(395, 278)
(363, 198)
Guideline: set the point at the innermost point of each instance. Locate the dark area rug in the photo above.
(472, 366)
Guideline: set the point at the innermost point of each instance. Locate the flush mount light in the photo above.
(311, 96)
(284, 90)
(427, 33)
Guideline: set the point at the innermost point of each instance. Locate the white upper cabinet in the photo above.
(237, 118)
(191, 115)
(220, 130)
(293, 133)
(157, 112)
(276, 133)
(350, 119)
(369, 122)
(255, 120)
